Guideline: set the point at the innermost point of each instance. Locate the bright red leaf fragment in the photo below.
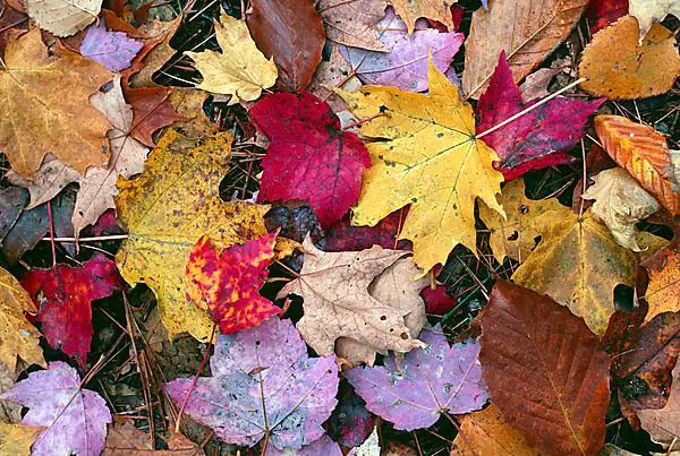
(226, 283)
(64, 298)
(310, 158)
(536, 140)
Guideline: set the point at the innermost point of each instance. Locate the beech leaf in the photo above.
(429, 381)
(547, 373)
(63, 17)
(263, 383)
(75, 417)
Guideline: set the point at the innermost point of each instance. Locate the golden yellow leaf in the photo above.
(241, 70)
(486, 433)
(663, 289)
(18, 337)
(427, 156)
(515, 237)
(410, 11)
(618, 67)
(16, 439)
(578, 263)
(71, 129)
(167, 209)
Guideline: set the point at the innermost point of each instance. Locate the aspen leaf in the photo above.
(618, 67)
(649, 11)
(439, 10)
(165, 220)
(240, 70)
(71, 129)
(18, 337)
(428, 158)
(620, 203)
(64, 17)
(663, 289)
(578, 263)
(642, 151)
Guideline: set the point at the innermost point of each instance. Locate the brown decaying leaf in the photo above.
(124, 439)
(52, 177)
(352, 22)
(10, 412)
(155, 53)
(485, 433)
(527, 31)
(338, 300)
(546, 372)
(663, 289)
(664, 425)
(619, 68)
(330, 74)
(152, 111)
(642, 151)
(439, 10)
(71, 129)
(292, 32)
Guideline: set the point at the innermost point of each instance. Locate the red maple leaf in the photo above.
(536, 140)
(64, 298)
(226, 282)
(310, 158)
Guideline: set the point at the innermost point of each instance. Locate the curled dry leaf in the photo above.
(647, 12)
(240, 70)
(343, 299)
(423, 142)
(352, 22)
(663, 289)
(63, 17)
(618, 67)
(642, 151)
(556, 397)
(526, 31)
(71, 129)
(620, 204)
(292, 33)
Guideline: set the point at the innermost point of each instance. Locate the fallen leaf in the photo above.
(226, 283)
(536, 140)
(154, 55)
(605, 12)
(517, 235)
(52, 177)
(321, 447)
(271, 358)
(536, 84)
(663, 289)
(664, 425)
(617, 67)
(486, 433)
(527, 31)
(369, 297)
(63, 17)
(647, 12)
(188, 103)
(71, 129)
(428, 382)
(343, 236)
(547, 373)
(350, 424)
(642, 151)
(370, 447)
(11, 22)
(331, 74)
(578, 263)
(16, 439)
(9, 411)
(75, 417)
(114, 50)
(292, 33)
(18, 337)
(240, 70)
(64, 298)
(439, 10)
(152, 111)
(427, 157)
(310, 158)
(352, 23)
(437, 301)
(124, 439)
(164, 222)
(620, 204)
(405, 63)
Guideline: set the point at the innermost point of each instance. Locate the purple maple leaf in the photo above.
(405, 64)
(263, 383)
(322, 447)
(428, 381)
(75, 418)
(114, 50)
(536, 140)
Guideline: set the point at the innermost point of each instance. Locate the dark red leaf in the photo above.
(152, 111)
(601, 13)
(437, 301)
(343, 237)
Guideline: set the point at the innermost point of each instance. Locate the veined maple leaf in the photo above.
(426, 156)
(310, 158)
(536, 140)
(227, 283)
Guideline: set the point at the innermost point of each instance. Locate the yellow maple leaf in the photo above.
(167, 210)
(46, 107)
(663, 289)
(18, 337)
(426, 156)
(578, 263)
(241, 70)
